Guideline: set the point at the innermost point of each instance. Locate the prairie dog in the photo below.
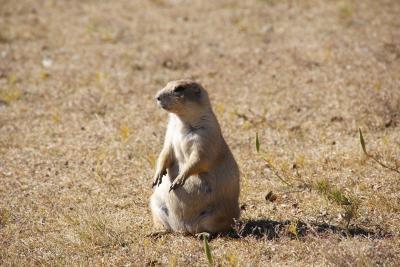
(197, 178)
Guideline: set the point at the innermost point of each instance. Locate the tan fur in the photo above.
(197, 178)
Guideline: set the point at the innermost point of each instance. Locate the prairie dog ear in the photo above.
(197, 90)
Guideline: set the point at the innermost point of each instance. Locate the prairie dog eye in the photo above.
(179, 89)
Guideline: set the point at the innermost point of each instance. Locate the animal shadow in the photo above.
(270, 229)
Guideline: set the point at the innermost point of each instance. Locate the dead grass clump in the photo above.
(98, 233)
(5, 215)
(349, 204)
(10, 95)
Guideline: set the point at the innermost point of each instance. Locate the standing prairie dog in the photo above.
(197, 178)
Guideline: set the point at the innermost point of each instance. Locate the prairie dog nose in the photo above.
(159, 96)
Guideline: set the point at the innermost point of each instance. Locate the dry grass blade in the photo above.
(275, 171)
(257, 143)
(362, 141)
(384, 165)
(207, 250)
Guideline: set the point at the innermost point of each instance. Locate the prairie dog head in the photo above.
(183, 97)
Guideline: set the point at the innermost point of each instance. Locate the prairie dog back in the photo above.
(197, 179)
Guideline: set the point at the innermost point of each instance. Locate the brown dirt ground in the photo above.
(80, 131)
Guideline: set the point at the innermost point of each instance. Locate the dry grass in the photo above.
(79, 129)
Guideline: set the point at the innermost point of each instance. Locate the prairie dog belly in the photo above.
(192, 198)
(184, 206)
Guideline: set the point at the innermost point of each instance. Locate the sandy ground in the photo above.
(80, 130)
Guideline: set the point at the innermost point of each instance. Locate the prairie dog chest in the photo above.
(181, 139)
